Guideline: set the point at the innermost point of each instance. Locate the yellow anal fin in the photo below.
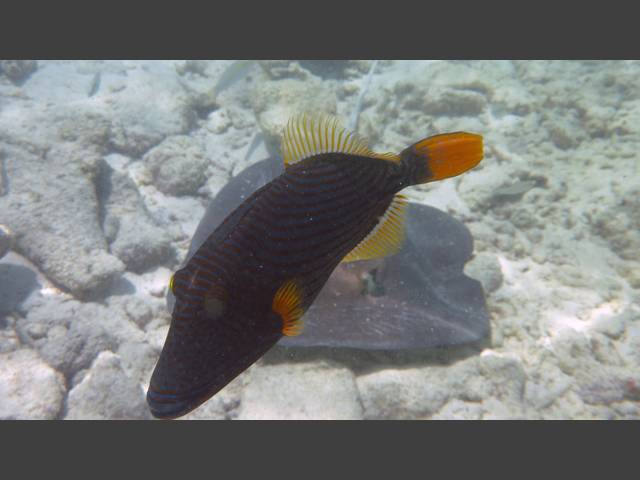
(309, 135)
(287, 303)
(387, 237)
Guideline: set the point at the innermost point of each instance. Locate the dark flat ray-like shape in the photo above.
(418, 298)
(425, 300)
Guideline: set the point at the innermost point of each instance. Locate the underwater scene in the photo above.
(366, 239)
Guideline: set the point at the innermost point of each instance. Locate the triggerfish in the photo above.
(250, 283)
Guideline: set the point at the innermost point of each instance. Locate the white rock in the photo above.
(224, 404)
(177, 165)
(300, 391)
(275, 102)
(485, 268)
(29, 388)
(106, 392)
(459, 410)
(421, 392)
(401, 394)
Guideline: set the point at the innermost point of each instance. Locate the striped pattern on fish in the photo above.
(300, 226)
(252, 280)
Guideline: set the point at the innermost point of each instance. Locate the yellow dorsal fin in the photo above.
(287, 304)
(308, 135)
(386, 237)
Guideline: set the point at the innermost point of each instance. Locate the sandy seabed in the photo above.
(107, 167)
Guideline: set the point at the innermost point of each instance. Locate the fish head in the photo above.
(212, 338)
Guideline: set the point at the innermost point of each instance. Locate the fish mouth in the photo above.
(173, 392)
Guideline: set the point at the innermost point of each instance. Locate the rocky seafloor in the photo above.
(107, 167)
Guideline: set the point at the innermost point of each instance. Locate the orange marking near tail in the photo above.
(450, 154)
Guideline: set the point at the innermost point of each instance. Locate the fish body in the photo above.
(250, 282)
(419, 298)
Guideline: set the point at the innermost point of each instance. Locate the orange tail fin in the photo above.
(449, 154)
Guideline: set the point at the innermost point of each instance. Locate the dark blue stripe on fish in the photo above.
(305, 229)
(296, 208)
(331, 221)
(315, 178)
(308, 171)
(184, 294)
(289, 229)
(207, 259)
(191, 285)
(290, 184)
(327, 246)
(308, 259)
(360, 181)
(288, 208)
(318, 237)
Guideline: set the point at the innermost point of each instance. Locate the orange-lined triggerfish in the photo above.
(254, 277)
